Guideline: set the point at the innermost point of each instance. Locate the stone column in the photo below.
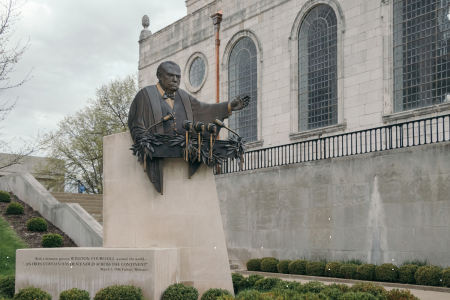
(186, 217)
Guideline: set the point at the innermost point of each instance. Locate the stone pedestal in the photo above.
(91, 269)
(186, 217)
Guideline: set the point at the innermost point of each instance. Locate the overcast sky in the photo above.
(76, 46)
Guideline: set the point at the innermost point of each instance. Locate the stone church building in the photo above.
(343, 79)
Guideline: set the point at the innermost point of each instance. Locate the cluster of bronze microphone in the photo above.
(212, 128)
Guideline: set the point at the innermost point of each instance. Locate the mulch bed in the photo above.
(19, 224)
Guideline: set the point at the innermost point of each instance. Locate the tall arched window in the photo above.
(317, 52)
(421, 53)
(242, 81)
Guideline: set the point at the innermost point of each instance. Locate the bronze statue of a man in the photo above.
(154, 102)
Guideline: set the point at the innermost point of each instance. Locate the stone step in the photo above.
(68, 199)
(94, 211)
(77, 195)
(100, 205)
(93, 204)
(61, 199)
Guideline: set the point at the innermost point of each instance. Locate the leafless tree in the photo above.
(10, 55)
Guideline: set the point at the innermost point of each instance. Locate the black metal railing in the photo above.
(408, 134)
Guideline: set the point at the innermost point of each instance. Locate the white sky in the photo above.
(76, 46)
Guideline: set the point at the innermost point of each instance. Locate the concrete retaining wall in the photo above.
(380, 207)
(71, 218)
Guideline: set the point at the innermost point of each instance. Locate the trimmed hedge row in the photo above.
(253, 287)
(408, 274)
(275, 288)
(118, 292)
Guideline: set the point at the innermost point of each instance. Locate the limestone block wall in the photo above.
(380, 207)
(364, 61)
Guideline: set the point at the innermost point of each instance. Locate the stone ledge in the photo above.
(349, 281)
(253, 145)
(415, 112)
(317, 132)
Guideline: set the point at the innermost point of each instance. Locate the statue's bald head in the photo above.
(169, 75)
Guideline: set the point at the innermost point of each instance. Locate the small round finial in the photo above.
(145, 21)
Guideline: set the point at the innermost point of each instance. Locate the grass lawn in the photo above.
(8, 245)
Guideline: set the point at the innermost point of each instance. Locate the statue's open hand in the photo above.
(239, 103)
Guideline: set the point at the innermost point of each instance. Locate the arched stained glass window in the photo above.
(317, 52)
(197, 72)
(242, 81)
(421, 53)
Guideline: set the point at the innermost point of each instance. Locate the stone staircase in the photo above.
(92, 203)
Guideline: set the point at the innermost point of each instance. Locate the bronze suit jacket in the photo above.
(146, 108)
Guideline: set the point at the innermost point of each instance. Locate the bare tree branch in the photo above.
(10, 55)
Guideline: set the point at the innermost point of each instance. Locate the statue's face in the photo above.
(169, 78)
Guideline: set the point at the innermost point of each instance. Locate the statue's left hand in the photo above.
(239, 103)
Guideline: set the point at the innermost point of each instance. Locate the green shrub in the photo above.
(37, 224)
(254, 264)
(74, 294)
(7, 285)
(225, 297)
(368, 287)
(386, 272)
(358, 296)
(416, 262)
(342, 287)
(32, 293)
(406, 273)
(446, 277)
(366, 272)
(252, 279)
(312, 296)
(237, 278)
(14, 208)
(269, 264)
(283, 266)
(298, 267)
(283, 294)
(5, 196)
(266, 284)
(241, 283)
(428, 275)
(333, 293)
(312, 287)
(52, 240)
(212, 294)
(354, 261)
(315, 268)
(252, 295)
(396, 294)
(348, 271)
(121, 292)
(288, 285)
(178, 291)
(332, 269)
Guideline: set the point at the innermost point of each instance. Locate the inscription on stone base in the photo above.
(91, 269)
